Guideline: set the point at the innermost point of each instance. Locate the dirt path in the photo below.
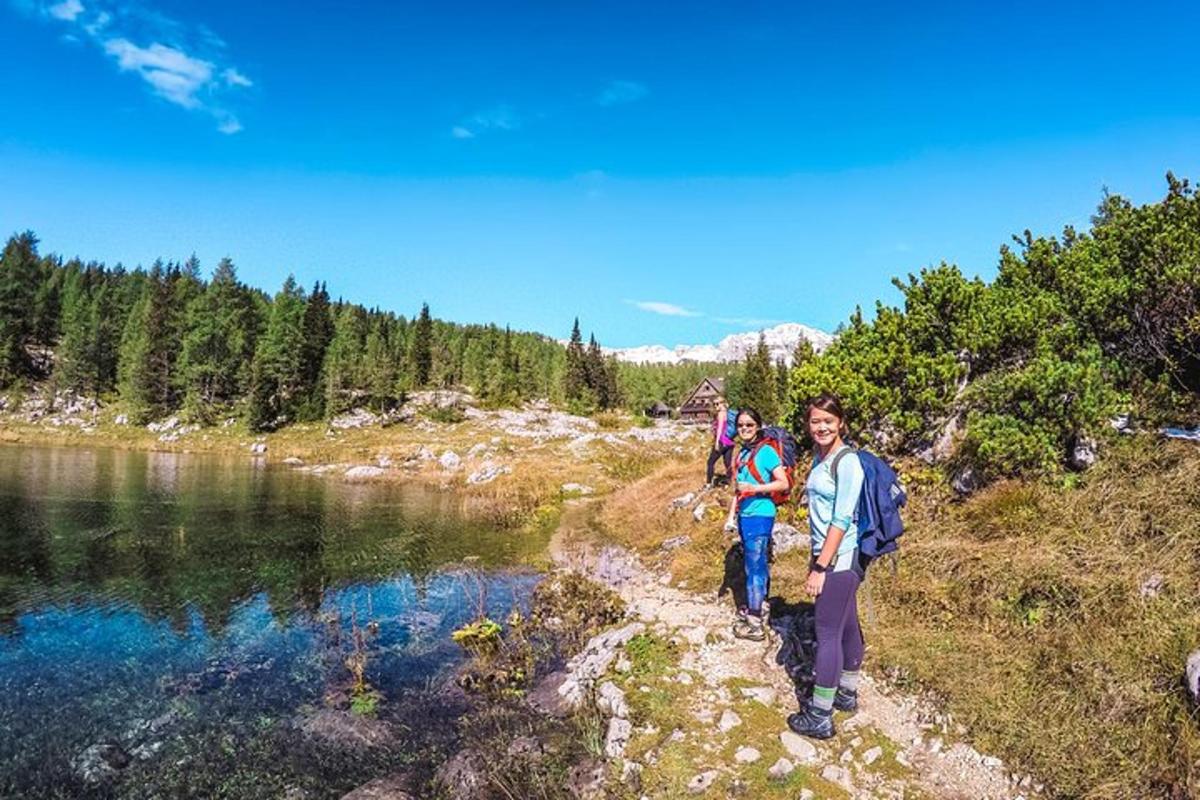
(894, 746)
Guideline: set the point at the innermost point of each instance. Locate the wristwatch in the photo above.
(816, 567)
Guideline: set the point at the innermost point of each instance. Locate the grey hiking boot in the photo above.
(846, 700)
(748, 626)
(812, 722)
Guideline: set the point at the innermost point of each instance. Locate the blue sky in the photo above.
(670, 172)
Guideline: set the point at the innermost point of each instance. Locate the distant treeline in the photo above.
(1025, 369)
(165, 340)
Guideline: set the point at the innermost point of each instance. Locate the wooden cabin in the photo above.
(701, 403)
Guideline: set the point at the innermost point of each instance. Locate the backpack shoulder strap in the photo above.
(749, 463)
(837, 459)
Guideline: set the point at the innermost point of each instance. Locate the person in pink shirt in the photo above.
(722, 444)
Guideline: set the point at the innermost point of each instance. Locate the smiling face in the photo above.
(824, 427)
(747, 428)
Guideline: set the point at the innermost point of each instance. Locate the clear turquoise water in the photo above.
(218, 598)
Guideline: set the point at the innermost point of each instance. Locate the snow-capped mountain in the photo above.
(781, 341)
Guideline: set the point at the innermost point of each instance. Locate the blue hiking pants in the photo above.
(756, 540)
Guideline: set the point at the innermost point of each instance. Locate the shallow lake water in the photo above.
(172, 625)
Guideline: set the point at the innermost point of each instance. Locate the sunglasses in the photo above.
(747, 425)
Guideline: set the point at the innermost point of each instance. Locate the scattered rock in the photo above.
(450, 460)
(586, 780)
(701, 783)
(100, 763)
(577, 488)
(292, 461)
(798, 747)
(683, 501)
(729, 720)
(168, 424)
(121, 419)
(363, 472)
(611, 700)
(786, 538)
(1193, 676)
(1152, 586)
(393, 788)
(698, 512)
(1123, 424)
(991, 762)
(746, 755)
(464, 776)
(545, 696)
(807, 794)
(872, 755)
(593, 661)
(781, 769)
(487, 473)
(763, 694)
(1083, 454)
(965, 481)
(837, 775)
(258, 448)
(477, 450)
(358, 418)
(615, 742)
(674, 543)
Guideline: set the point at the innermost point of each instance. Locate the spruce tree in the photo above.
(421, 356)
(758, 384)
(380, 367)
(318, 332)
(217, 345)
(147, 351)
(277, 376)
(576, 376)
(73, 359)
(19, 273)
(342, 360)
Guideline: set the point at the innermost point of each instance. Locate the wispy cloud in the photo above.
(182, 64)
(666, 309)
(619, 92)
(502, 117)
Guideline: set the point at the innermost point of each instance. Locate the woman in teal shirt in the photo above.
(752, 514)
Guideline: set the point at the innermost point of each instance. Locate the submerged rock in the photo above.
(345, 729)
(392, 788)
(362, 472)
(100, 763)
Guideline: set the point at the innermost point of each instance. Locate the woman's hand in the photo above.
(814, 584)
(730, 525)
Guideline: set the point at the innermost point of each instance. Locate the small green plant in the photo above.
(448, 415)
(481, 638)
(365, 703)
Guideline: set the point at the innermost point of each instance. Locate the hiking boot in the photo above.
(845, 700)
(812, 722)
(749, 627)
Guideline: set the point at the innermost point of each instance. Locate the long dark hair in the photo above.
(754, 415)
(830, 403)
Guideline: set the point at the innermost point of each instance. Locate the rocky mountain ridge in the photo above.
(781, 341)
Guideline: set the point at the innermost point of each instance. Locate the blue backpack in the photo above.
(878, 511)
(731, 416)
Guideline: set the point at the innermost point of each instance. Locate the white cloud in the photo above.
(498, 118)
(666, 309)
(620, 92)
(459, 132)
(172, 73)
(234, 78)
(66, 10)
(183, 64)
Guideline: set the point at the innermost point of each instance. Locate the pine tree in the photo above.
(611, 393)
(73, 359)
(277, 375)
(19, 273)
(594, 368)
(380, 367)
(421, 356)
(758, 384)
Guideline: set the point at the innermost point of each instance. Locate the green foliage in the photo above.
(759, 389)
(277, 377)
(1071, 330)
(19, 278)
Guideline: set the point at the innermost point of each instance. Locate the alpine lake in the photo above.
(192, 626)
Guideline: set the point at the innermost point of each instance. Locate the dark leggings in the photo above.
(726, 454)
(839, 638)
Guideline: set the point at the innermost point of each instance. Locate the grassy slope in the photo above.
(1022, 609)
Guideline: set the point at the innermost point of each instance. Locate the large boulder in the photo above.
(464, 776)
